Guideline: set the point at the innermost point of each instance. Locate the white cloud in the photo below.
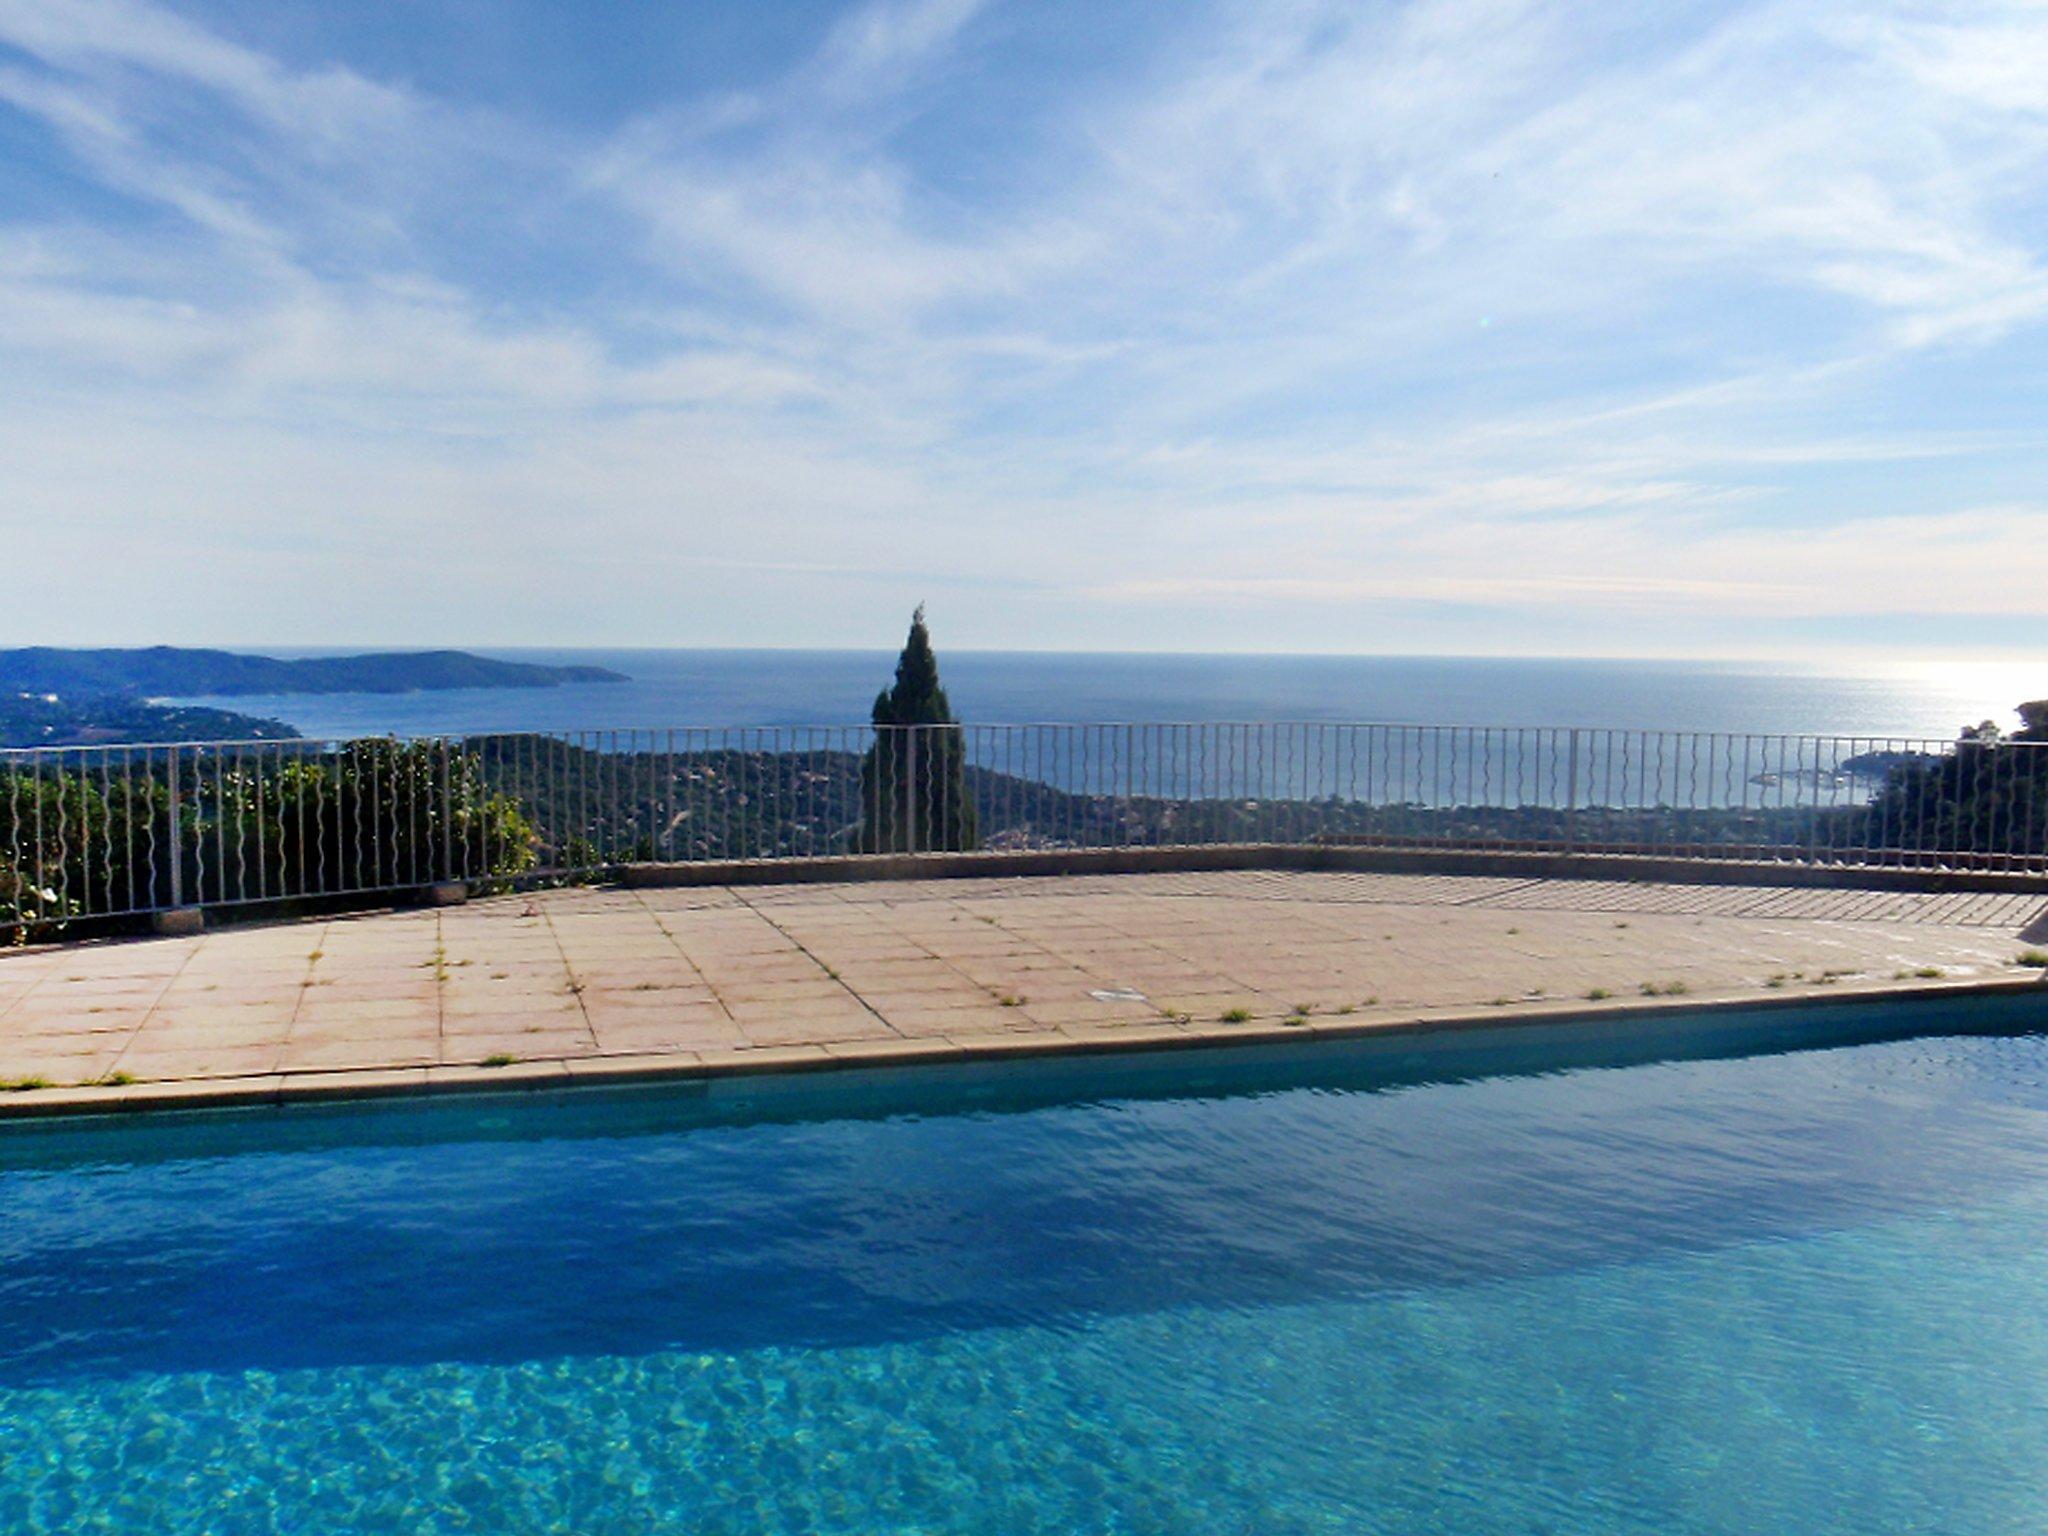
(876, 46)
(1471, 303)
(87, 35)
(1976, 562)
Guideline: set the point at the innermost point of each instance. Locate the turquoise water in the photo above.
(1567, 1281)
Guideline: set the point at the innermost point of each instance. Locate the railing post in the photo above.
(177, 918)
(1571, 793)
(448, 870)
(174, 841)
(912, 800)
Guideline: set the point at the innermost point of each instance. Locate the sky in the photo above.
(1446, 326)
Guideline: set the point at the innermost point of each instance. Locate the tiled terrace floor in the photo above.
(723, 975)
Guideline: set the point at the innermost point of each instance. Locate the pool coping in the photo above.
(595, 1071)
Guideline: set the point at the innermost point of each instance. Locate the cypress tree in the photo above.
(913, 781)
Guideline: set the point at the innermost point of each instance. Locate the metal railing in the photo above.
(121, 831)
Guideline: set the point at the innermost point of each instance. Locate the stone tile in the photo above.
(804, 1028)
(479, 1002)
(666, 970)
(111, 961)
(218, 963)
(329, 1053)
(230, 979)
(159, 1062)
(522, 1045)
(608, 1021)
(977, 1016)
(332, 1027)
(666, 1036)
(517, 1021)
(200, 1011)
(902, 975)
(1064, 1010)
(843, 953)
(650, 998)
(245, 1027)
(90, 991)
(59, 1060)
(497, 972)
(320, 1001)
(815, 988)
(28, 1022)
(753, 980)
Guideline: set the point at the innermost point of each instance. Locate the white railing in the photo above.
(119, 831)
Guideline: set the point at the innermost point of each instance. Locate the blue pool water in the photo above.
(1775, 1273)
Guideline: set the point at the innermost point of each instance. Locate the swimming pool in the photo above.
(1779, 1271)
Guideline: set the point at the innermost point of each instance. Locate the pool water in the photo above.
(1767, 1273)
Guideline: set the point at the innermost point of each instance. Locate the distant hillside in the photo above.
(35, 720)
(169, 671)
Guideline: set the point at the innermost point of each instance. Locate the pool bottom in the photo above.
(1892, 1376)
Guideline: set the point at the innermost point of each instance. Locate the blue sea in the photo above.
(675, 688)
(1495, 1285)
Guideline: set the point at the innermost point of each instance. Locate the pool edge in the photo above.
(368, 1083)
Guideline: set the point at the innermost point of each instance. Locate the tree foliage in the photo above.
(1987, 795)
(375, 814)
(78, 839)
(914, 778)
(73, 843)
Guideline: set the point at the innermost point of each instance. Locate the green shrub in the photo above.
(79, 839)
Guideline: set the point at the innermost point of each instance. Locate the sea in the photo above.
(670, 689)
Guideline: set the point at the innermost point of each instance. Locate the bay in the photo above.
(678, 688)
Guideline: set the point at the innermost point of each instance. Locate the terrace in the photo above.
(590, 985)
(623, 905)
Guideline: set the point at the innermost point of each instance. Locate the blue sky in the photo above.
(1446, 326)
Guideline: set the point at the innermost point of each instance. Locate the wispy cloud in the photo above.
(880, 45)
(1474, 306)
(88, 35)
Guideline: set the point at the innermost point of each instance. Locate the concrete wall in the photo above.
(1515, 865)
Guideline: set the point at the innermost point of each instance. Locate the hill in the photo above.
(171, 671)
(42, 720)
